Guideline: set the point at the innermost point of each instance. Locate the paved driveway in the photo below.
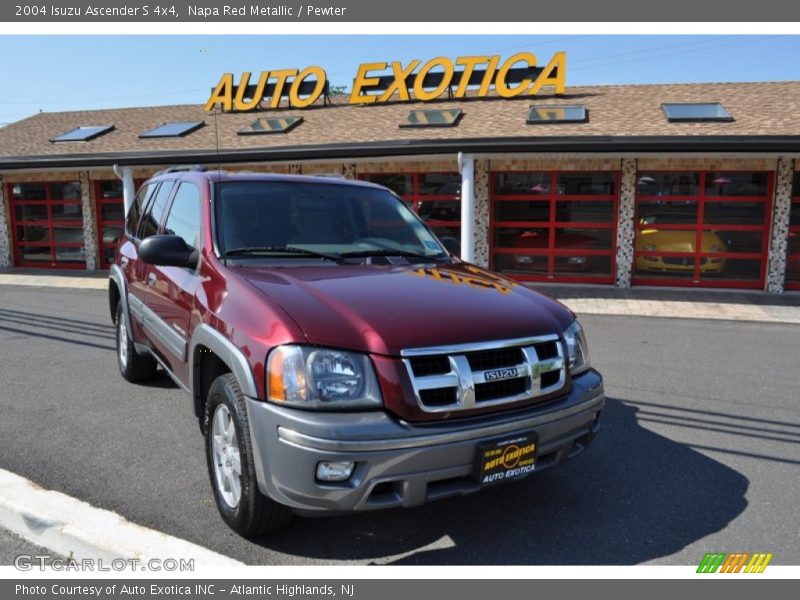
(699, 450)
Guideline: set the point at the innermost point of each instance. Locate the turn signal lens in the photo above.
(275, 382)
(287, 375)
(577, 350)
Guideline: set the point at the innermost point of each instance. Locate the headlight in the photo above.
(650, 247)
(577, 350)
(715, 249)
(320, 378)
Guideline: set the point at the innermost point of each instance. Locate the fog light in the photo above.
(334, 471)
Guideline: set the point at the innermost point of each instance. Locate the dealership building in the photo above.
(629, 185)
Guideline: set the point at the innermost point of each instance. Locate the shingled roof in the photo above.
(627, 115)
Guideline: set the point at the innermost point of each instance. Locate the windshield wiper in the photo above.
(390, 252)
(279, 250)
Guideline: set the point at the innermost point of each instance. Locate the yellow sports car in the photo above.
(672, 240)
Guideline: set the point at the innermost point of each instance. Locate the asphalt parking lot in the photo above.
(699, 451)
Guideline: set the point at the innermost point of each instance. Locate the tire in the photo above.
(240, 503)
(133, 366)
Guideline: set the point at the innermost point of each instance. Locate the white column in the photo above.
(128, 186)
(466, 165)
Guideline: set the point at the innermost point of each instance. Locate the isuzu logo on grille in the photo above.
(496, 374)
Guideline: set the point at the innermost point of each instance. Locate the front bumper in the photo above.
(656, 263)
(399, 463)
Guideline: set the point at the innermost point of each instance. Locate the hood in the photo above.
(385, 309)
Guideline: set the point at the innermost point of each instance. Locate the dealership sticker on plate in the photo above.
(506, 458)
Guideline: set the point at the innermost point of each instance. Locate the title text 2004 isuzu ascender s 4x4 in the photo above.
(339, 358)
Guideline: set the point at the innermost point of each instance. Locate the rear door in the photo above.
(171, 290)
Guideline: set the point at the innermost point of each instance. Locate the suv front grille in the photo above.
(492, 390)
(430, 365)
(494, 359)
(452, 378)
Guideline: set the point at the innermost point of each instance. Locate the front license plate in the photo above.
(503, 459)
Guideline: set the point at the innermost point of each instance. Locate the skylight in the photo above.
(83, 133)
(177, 129)
(557, 113)
(436, 117)
(271, 125)
(695, 112)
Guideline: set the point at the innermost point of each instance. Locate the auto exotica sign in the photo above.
(379, 82)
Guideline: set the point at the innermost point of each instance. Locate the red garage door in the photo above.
(554, 226)
(110, 217)
(704, 229)
(435, 197)
(47, 224)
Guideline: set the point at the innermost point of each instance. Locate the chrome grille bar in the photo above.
(469, 383)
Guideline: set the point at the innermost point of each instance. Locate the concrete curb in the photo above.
(56, 281)
(75, 529)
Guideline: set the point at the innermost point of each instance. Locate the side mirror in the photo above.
(452, 245)
(168, 251)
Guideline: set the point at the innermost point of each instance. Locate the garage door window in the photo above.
(47, 224)
(554, 226)
(706, 229)
(435, 197)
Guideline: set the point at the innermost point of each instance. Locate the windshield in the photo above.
(276, 217)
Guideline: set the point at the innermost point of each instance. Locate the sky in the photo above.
(57, 73)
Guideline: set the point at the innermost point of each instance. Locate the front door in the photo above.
(170, 299)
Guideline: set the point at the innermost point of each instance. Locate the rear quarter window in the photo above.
(135, 212)
(155, 210)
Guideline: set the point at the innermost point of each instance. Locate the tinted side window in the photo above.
(155, 211)
(132, 220)
(184, 215)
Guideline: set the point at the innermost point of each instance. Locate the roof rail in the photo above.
(180, 168)
(328, 175)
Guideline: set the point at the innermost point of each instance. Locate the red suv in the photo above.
(338, 357)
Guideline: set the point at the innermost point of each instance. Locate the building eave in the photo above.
(399, 148)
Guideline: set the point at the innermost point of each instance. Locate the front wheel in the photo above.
(231, 466)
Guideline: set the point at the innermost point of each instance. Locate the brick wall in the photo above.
(5, 227)
(406, 166)
(779, 242)
(89, 222)
(555, 164)
(706, 164)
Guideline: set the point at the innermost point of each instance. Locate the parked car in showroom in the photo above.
(337, 357)
(533, 239)
(654, 239)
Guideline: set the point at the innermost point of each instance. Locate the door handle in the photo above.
(151, 279)
(123, 261)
